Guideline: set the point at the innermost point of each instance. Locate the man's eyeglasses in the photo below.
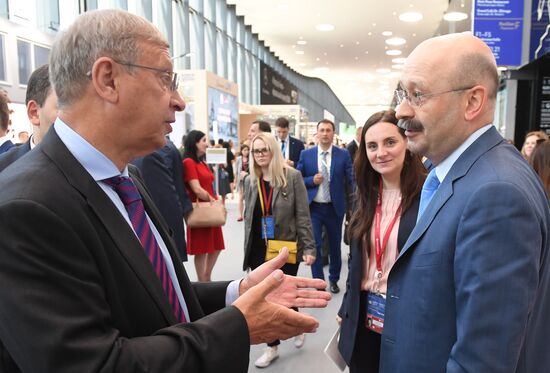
(169, 78)
(417, 99)
(261, 151)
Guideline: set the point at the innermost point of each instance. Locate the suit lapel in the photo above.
(486, 141)
(116, 226)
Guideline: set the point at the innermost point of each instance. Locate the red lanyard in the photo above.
(266, 199)
(380, 249)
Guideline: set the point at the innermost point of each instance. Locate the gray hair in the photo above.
(102, 33)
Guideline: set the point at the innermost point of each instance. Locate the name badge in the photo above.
(269, 230)
(376, 307)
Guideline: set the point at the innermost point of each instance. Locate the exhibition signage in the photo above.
(276, 90)
(540, 29)
(499, 23)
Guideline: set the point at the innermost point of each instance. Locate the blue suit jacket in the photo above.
(162, 172)
(341, 172)
(470, 291)
(14, 154)
(6, 146)
(294, 150)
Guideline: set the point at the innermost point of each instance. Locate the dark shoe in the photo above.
(334, 288)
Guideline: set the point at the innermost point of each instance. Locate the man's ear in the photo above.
(32, 112)
(104, 75)
(477, 99)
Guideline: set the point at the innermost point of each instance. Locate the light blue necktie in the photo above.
(326, 178)
(428, 190)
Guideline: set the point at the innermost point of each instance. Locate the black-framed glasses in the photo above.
(417, 99)
(170, 79)
(261, 151)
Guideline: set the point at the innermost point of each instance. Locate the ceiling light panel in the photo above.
(411, 16)
(399, 60)
(393, 52)
(395, 41)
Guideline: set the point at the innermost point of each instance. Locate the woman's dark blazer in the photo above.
(349, 310)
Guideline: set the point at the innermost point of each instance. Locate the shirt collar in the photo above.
(445, 166)
(319, 150)
(95, 162)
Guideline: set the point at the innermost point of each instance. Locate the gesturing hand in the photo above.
(268, 321)
(293, 291)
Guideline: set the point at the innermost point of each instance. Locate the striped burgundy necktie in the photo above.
(128, 193)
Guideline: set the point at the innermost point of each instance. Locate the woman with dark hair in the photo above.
(204, 243)
(241, 170)
(389, 181)
(540, 161)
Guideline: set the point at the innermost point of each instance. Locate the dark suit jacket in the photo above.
(162, 172)
(470, 290)
(349, 310)
(352, 149)
(6, 146)
(14, 154)
(341, 172)
(294, 150)
(82, 294)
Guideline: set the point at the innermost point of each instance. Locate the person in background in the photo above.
(277, 209)
(41, 103)
(354, 144)
(540, 161)
(290, 146)
(242, 169)
(326, 170)
(204, 243)
(531, 141)
(256, 127)
(389, 180)
(5, 142)
(23, 137)
(229, 167)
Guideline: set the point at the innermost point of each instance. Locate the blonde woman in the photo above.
(276, 208)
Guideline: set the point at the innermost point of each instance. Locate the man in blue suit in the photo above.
(290, 147)
(470, 290)
(326, 170)
(162, 172)
(41, 103)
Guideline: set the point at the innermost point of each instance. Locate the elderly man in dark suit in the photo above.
(99, 286)
(41, 104)
(162, 172)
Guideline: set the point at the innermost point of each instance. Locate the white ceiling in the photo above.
(353, 51)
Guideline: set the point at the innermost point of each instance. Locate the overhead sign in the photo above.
(276, 89)
(540, 29)
(499, 23)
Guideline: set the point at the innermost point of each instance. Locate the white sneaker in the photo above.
(270, 354)
(299, 340)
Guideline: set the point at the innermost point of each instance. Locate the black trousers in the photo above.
(366, 353)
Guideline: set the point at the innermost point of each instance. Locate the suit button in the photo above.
(393, 296)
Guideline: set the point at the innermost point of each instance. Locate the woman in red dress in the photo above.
(204, 243)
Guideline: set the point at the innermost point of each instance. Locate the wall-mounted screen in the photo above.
(223, 112)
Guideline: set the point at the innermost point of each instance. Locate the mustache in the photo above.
(410, 125)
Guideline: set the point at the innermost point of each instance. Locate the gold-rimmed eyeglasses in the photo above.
(417, 99)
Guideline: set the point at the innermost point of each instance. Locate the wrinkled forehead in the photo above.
(426, 68)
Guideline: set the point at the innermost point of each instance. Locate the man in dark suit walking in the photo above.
(327, 171)
(354, 144)
(41, 103)
(99, 286)
(162, 172)
(290, 146)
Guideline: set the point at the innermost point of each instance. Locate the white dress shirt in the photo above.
(319, 196)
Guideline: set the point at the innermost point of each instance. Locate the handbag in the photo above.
(274, 247)
(207, 214)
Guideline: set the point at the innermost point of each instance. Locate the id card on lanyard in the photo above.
(268, 223)
(376, 302)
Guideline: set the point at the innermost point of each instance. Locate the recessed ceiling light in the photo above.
(400, 60)
(393, 52)
(324, 27)
(366, 52)
(369, 33)
(357, 43)
(341, 45)
(397, 67)
(383, 71)
(317, 59)
(321, 69)
(299, 52)
(411, 16)
(301, 42)
(455, 16)
(356, 58)
(395, 41)
(387, 33)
